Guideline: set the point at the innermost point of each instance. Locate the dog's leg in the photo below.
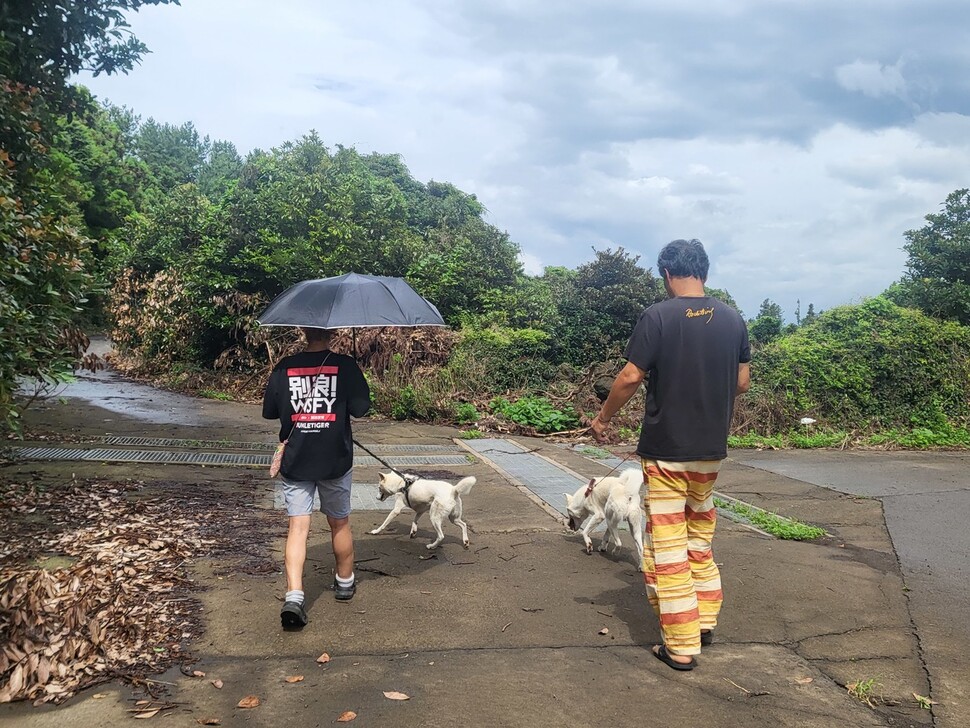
(612, 537)
(414, 524)
(635, 521)
(436, 518)
(455, 518)
(398, 507)
(594, 520)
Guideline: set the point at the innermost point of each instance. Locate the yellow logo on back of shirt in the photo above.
(695, 312)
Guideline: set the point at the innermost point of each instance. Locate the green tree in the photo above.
(599, 304)
(43, 275)
(766, 327)
(45, 42)
(937, 278)
(221, 169)
(175, 155)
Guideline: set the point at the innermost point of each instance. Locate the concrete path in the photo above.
(926, 500)
(508, 633)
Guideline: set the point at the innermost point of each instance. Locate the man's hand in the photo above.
(599, 428)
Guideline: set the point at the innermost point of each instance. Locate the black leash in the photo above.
(409, 480)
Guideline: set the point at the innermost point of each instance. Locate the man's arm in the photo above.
(624, 387)
(744, 378)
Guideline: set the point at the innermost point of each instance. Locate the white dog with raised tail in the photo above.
(440, 498)
(614, 499)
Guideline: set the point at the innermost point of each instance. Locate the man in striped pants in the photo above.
(693, 351)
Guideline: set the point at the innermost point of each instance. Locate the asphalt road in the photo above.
(926, 500)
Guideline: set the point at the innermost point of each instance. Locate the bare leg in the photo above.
(295, 554)
(343, 545)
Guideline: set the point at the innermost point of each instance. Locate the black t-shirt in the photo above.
(314, 394)
(691, 348)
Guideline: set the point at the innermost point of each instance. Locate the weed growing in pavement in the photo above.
(595, 452)
(471, 434)
(863, 690)
(787, 529)
(214, 394)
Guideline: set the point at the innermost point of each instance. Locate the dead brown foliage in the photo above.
(93, 585)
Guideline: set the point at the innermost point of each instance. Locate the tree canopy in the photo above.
(937, 278)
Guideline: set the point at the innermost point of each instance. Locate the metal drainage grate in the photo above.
(205, 458)
(235, 445)
(192, 444)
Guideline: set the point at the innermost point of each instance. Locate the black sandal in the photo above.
(660, 652)
(707, 638)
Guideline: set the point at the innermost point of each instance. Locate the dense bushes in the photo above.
(866, 367)
(43, 277)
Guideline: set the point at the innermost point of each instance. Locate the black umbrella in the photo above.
(351, 301)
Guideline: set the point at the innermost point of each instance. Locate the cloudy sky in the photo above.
(798, 139)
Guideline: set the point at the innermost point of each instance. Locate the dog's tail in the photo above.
(632, 478)
(465, 485)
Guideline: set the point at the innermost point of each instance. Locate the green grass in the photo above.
(787, 529)
(920, 438)
(754, 440)
(214, 394)
(595, 452)
(470, 434)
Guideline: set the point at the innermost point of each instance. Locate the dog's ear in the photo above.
(381, 477)
(569, 498)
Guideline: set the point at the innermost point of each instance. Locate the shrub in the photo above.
(499, 359)
(873, 365)
(535, 412)
(465, 413)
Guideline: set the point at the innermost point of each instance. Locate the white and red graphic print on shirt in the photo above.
(313, 392)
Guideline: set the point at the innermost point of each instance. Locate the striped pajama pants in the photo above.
(683, 583)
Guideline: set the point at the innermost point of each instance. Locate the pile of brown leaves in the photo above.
(114, 599)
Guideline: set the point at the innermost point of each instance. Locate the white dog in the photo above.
(442, 499)
(612, 499)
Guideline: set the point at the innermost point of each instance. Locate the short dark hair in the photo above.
(684, 259)
(315, 334)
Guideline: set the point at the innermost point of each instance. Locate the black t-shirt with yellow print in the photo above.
(690, 348)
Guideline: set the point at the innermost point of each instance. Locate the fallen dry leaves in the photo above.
(346, 716)
(394, 695)
(217, 684)
(250, 701)
(323, 659)
(294, 678)
(93, 585)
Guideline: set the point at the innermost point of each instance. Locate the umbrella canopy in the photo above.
(351, 301)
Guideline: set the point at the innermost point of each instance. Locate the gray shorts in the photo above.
(334, 495)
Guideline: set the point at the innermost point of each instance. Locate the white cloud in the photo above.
(871, 78)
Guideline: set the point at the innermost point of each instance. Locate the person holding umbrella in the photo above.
(314, 394)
